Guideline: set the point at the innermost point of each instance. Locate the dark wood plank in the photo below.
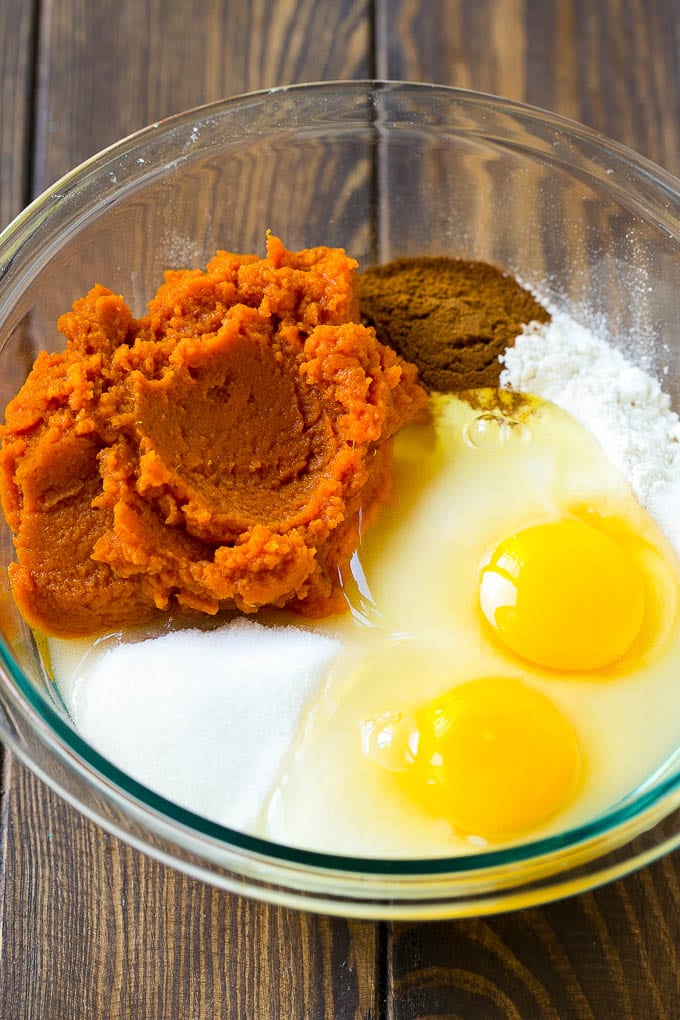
(613, 952)
(611, 65)
(109, 68)
(17, 29)
(88, 927)
(92, 929)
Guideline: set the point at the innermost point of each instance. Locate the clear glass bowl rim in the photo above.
(613, 828)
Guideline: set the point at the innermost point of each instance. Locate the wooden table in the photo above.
(93, 929)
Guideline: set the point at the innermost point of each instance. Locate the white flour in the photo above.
(624, 407)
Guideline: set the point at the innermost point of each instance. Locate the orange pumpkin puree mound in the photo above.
(220, 452)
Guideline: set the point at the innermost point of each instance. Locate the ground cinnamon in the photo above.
(452, 317)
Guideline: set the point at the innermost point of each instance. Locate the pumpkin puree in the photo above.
(221, 452)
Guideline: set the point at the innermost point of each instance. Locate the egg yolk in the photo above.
(495, 758)
(563, 594)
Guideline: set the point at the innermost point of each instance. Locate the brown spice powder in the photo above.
(452, 317)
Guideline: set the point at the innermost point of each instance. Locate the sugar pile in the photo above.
(203, 718)
(623, 406)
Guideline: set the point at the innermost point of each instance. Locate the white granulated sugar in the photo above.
(623, 406)
(203, 718)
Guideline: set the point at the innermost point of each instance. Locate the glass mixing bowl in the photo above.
(383, 169)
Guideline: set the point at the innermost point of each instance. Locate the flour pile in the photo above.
(623, 406)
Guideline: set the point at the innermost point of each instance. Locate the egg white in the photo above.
(472, 477)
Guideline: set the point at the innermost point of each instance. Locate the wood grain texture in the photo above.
(17, 33)
(612, 953)
(611, 65)
(93, 929)
(109, 68)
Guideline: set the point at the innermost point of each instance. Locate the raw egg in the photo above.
(513, 636)
(564, 594)
(494, 757)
